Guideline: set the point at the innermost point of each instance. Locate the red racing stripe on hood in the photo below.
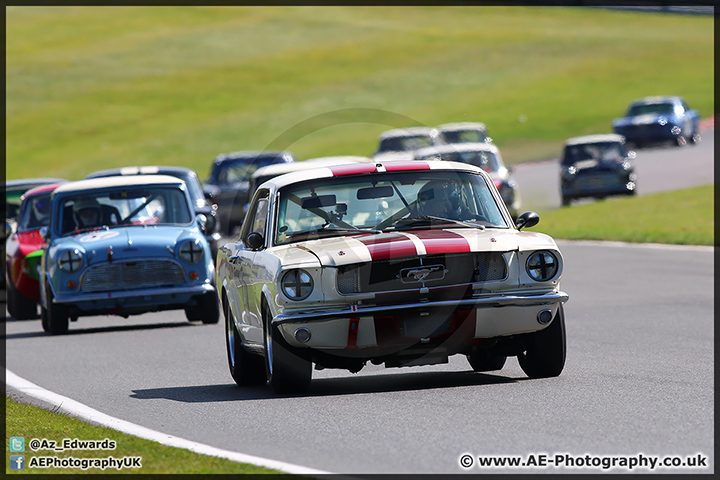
(442, 241)
(389, 245)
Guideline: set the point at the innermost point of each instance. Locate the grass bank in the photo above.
(684, 217)
(89, 88)
(31, 422)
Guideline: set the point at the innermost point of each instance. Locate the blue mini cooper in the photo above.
(125, 246)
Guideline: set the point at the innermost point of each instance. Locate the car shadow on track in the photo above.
(327, 387)
(84, 331)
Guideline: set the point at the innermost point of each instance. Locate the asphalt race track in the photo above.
(638, 378)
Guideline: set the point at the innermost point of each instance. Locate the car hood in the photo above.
(646, 119)
(131, 242)
(347, 250)
(595, 164)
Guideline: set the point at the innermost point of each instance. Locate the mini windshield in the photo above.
(652, 108)
(135, 205)
(385, 202)
(603, 151)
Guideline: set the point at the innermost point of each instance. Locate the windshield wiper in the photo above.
(334, 230)
(428, 219)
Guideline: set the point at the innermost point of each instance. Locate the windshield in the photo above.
(605, 151)
(230, 172)
(485, 160)
(136, 205)
(35, 212)
(464, 136)
(653, 108)
(401, 144)
(385, 202)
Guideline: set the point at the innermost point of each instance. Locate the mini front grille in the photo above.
(132, 275)
(411, 273)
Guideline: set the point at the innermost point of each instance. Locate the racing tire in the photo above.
(484, 361)
(245, 368)
(285, 371)
(19, 307)
(565, 201)
(545, 350)
(207, 310)
(56, 316)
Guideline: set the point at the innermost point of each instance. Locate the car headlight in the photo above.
(542, 265)
(70, 261)
(191, 251)
(297, 284)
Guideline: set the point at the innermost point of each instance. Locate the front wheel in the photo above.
(286, 372)
(545, 353)
(207, 309)
(56, 315)
(484, 361)
(19, 307)
(245, 368)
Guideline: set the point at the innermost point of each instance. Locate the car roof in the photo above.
(597, 138)
(42, 189)
(282, 168)
(141, 170)
(458, 147)
(409, 132)
(30, 182)
(250, 154)
(449, 127)
(118, 181)
(369, 168)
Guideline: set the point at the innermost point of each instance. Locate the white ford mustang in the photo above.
(402, 264)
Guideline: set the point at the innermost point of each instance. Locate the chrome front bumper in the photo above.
(484, 302)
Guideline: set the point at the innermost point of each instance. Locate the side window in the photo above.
(260, 219)
(257, 216)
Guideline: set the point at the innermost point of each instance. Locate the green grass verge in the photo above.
(97, 87)
(31, 422)
(679, 217)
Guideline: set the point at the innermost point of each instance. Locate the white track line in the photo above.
(71, 407)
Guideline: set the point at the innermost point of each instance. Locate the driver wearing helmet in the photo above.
(87, 213)
(442, 198)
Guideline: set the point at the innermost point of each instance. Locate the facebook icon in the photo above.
(17, 462)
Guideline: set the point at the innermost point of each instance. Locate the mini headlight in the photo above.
(70, 261)
(191, 251)
(297, 284)
(542, 266)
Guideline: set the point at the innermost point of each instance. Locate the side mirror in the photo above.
(527, 220)
(210, 224)
(202, 222)
(255, 240)
(8, 229)
(45, 233)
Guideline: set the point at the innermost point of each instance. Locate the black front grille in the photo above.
(132, 275)
(428, 271)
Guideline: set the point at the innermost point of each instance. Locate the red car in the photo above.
(24, 250)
